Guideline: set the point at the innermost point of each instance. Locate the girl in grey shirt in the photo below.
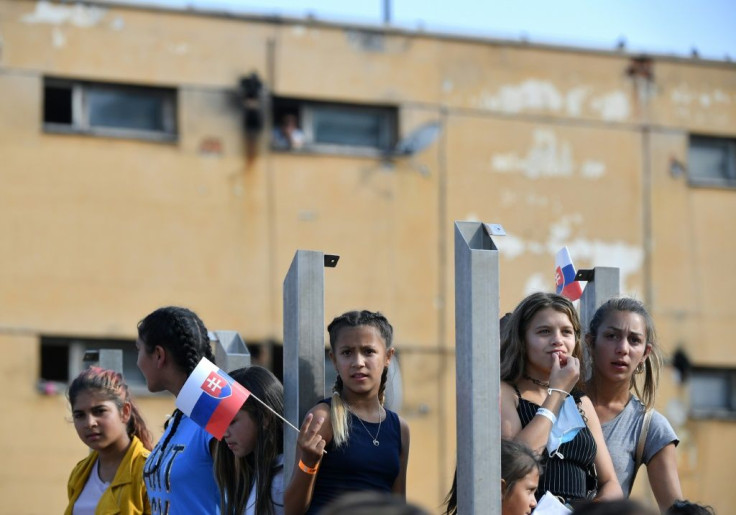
(625, 356)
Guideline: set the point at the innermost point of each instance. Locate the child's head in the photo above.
(361, 350)
(623, 343)
(520, 469)
(689, 508)
(177, 332)
(514, 345)
(103, 411)
(247, 453)
(619, 507)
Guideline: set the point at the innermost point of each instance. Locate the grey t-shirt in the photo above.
(622, 436)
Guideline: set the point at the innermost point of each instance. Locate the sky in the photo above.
(670, 27)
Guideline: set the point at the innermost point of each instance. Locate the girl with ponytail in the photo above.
(178, 474)
(367, 446)
(110, 479)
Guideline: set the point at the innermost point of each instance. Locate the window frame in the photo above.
(729, 181)
(306, 110)
(80, 123)
(727, 411)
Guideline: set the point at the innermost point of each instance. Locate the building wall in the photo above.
(562, 147)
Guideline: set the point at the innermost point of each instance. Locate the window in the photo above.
(62, 359)
(713, 393)
(712, 161)
(109, 110)
(330, 127)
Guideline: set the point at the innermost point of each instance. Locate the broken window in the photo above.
(109, 109)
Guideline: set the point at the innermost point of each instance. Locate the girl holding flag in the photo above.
(178, 473)
(110, 479)
(626, 357)
(249, 460)
(367, 446)
(541, 404)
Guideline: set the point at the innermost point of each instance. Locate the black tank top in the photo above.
(566, 476)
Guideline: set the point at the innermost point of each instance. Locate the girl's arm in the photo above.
(663, 477)
(400, 483)
(536, 433)
(608, 487)
(314, 435)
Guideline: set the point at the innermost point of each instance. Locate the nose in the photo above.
(90, 421)
(622, 346)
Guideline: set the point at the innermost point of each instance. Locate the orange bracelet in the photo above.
(307, 469)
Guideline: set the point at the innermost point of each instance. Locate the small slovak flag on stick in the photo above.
(565, 281)
(211, 398)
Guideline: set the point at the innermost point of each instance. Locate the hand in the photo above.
(310, 442)
(565, 372)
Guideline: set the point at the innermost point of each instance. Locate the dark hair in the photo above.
(513, 343)
(618, 507)
(112, 387)
(235, 476)
(183, 334)
(653, 361)
(681, 507)
(517, 460)
(369, 503)
(338, 411)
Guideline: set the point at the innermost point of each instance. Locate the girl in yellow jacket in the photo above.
(109, 480)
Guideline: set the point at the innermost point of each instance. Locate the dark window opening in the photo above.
(54, 362)
(57, 105)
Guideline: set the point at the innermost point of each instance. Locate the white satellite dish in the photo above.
(418, 139)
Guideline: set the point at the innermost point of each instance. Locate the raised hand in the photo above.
(565, 372)
(310, 442)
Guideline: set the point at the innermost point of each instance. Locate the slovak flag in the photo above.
(211, 398)
(565, 276)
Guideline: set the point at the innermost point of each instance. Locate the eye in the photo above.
(77, 415)
(345, 352)
(543, 331)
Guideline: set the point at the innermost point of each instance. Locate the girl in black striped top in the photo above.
(540, 368)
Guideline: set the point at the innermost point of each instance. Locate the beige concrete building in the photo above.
(130, 180)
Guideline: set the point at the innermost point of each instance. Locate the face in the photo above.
(550, 332)
(360, 355)
(242, 434)
(98, 421)
(520, 500)
(147, 364)
(620, 345)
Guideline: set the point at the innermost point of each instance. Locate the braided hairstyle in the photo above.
(338, 410)
(184, 336)
(112, 387)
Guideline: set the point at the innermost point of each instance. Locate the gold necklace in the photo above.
(374, 438)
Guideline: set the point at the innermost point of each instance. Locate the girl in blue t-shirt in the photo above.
(367, 446)
(178, 473)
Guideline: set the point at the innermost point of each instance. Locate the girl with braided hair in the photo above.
(110, 479)
(367, 446)
(178, 473)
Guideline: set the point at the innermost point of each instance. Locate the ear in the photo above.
(125, 412)
(503, 487)
(332, 358)
(389, 354)
(647, 351)
(159, 354)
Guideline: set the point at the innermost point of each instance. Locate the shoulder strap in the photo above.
(640, 445)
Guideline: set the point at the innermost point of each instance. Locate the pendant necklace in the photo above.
(374, 438)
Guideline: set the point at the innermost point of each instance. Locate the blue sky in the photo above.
(654, 26)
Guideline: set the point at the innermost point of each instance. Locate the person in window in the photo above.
(110, 479)
(626, 357)
(178, 474)
(288, 135)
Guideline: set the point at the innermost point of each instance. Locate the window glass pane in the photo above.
(709, 390)
(57, 104)
(710, 158)
(348, 127)
(131, 372)
(125, 109)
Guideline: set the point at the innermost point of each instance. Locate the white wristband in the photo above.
(547, 414)
(550, 390)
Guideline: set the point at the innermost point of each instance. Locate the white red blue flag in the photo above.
(211, 398)
(565, 276)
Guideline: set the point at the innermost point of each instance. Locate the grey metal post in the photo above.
(603, 284)
(230, 350)
(477, 345)
(304, 344)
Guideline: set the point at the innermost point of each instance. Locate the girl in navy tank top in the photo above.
(540, 374)
(367, 446)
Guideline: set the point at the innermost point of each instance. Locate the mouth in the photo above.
(93, 437)
(620, 365)
(359, 377)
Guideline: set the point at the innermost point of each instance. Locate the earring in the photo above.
(639, 368)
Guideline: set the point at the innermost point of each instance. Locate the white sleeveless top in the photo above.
(93, 489)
